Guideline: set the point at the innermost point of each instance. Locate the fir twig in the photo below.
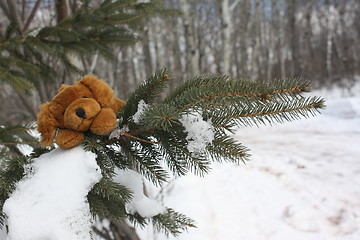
(172, 222)
(138, 139)
(147, 91)
(107, 199)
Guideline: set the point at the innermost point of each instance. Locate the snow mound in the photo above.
(50, 202)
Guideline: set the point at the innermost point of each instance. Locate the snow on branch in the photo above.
(199, 132)
(140, 203)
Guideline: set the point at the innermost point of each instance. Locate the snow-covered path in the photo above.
(303, 182)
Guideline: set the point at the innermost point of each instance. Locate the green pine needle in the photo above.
(172, 222)
(107, 199)
(18, 135)
(224, 148)
(148, 91)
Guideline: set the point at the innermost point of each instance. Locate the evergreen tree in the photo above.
(151, 133)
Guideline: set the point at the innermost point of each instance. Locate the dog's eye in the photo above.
(84, 97)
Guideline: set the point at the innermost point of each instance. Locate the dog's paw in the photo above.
(68, 138)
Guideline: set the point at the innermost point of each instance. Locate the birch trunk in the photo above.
(226, 29)
(157, 34)
(192, 55)
(148, 63)
(244, 38)
(293, 56)
(271, 41)
(256, 42)
(282, 47)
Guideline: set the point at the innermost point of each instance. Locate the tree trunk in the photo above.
(244, 37)
(148, 63)
(157, 37)
(270, 58)
(226, 29)
(256, 53)
(118, 231)
(62, 9)
(292, 31)
(192, 55)
(282, 46)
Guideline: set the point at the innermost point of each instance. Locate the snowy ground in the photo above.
(303, 182)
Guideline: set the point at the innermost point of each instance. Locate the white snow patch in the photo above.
(140, 109)
(140, 203)
(50, 202)
(199, 132)
(118, 132)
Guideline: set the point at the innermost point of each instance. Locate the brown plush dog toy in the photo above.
(88, 105)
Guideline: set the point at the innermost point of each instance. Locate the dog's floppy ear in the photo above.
(47, 125)
(118, 105)
(100, 90)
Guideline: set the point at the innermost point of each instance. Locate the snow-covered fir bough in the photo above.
(159, 139)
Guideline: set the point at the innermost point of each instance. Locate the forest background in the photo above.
(257, 39)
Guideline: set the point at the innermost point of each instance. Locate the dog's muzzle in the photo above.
(80, 114)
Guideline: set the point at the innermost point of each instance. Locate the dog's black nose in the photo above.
(80, 113)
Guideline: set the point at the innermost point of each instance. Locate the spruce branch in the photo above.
(211, 94)
(172, 222)
(244, 97)
(107, 199)
(146, 160)
(108, 189)
(136, 219)
(147, 91)
(180, 160)
(158, 134)
(176, 160)
(12, 136)
(163, 117)
(227, 149)
(276, 111)
(125, 134)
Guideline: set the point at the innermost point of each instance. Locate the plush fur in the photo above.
(88, 105)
